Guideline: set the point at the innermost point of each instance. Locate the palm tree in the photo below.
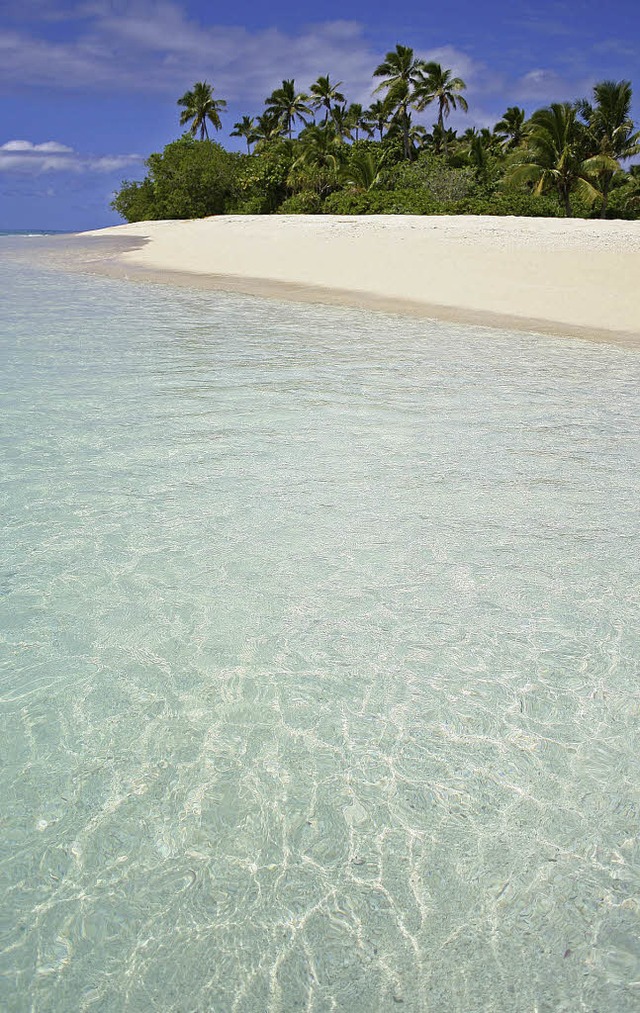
(435, 84)
(417, 134)
(288, 106)
(364, 169)
(556, 156)
(357, 120)
(268, 127)
(477, 149)
(246, 128)
(401, 70)
(511, 128)
(321, 147)
(324, 95)
(611, 128)
(342, 122)
(440, 139)
(378, 115)
(318, 163)
(199, 105)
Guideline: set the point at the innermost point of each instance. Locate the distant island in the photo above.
(315, 153)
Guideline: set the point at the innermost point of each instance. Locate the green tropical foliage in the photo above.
(316, 152)
(512, 127)
(612, 129)
(268, 127)
(358, 121)
(246, 127)
(288, 106)
(556, 157)
(199, 107)
(189, 179)
(401, 70)
(379, 115)
(324, 95)
(436, 84)
(363, 171)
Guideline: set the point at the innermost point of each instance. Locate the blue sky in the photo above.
(88, 87)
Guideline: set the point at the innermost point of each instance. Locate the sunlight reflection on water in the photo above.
(320, 663)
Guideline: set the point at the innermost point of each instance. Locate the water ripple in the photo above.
(319, 659)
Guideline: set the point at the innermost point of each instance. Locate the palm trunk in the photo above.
(606, 183)
(442, 133)
(405, 133)
(566, 202)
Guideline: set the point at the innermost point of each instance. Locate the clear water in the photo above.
(29, 233)
(320, 683)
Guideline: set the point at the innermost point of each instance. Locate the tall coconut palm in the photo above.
(324, 95)
(612, 129)
(246, 127)
(199, 105)
(417, 135)
(342, 122)
(435, 84)
(556, 157)
(378, 115)
(401, 70)
(289, 106)
(511, 128)
(357, 119)
(268, 127)
(321, 147)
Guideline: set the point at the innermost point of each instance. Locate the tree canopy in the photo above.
(313, 151)
(200, 107)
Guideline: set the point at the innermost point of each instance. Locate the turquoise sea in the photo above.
(319, 684)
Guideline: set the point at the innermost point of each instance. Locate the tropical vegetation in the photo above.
(312, 151)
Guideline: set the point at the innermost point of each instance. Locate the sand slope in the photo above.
(549, 274)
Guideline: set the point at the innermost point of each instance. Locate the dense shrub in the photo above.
(188, 179)
(520, 204)
(260, 185)
(624, 201)
(432, 174)
(306, 202)
(135, 202)
(382, 202)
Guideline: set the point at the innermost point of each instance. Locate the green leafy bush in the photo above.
(381, 202)
(260, 185)
(306, 202)
(435, 176)
(525, 205)
(188, 179)
(191, 179)
(135, 202)
(624, 201)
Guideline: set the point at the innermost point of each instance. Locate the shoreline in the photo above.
(571, 278)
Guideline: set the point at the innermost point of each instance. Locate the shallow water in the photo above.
(320, 682)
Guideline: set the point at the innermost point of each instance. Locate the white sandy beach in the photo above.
(562, 276)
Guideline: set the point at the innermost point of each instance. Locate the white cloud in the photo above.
(156, 47)
(152, 46)
(47, 146)
(545, 85)
(24, 157)
(476, 75)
